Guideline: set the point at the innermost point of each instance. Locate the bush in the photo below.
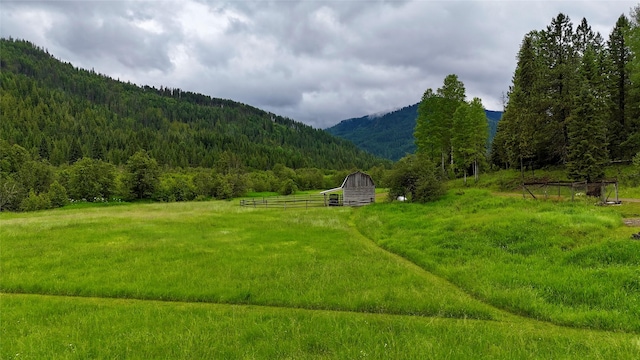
(91, 180)
(175, 187)
(288, 187)
(204, 184)
(223, 189)
(11, 194)
(261, 181)
(309, 178)
(414, 177)
(58, 195)
(35, 202)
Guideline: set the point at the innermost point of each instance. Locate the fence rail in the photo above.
(293, 201)
(605, 189)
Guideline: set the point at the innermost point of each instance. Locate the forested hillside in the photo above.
(68, 134)
(61, 114)
(391, 135)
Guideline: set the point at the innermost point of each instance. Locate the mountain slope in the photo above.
(62, 113)
(391, 135)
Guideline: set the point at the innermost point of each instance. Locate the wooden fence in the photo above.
(294, 201)
(606, 190)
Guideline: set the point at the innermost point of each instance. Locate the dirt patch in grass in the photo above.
(633, 222)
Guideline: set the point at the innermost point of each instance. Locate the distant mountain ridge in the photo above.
(390, 135)
(62, 113)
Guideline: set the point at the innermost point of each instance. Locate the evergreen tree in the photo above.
(45, 148)
(559, 59)
(587, 152)
(75, 152)
(619, 86)
(632, 144)
(634, 45)
(524, 117)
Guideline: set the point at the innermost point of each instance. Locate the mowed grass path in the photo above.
(213, 280)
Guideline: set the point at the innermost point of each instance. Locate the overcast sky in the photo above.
(314, 61)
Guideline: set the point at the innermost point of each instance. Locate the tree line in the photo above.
(69, 134)
(574, 100)
(28, 183)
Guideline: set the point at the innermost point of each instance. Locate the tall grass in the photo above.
(569, 263)
(218, 252)
(214, 280)
(42, 327)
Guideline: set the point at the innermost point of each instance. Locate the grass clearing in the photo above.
(215, 280)
(72, 328)
(569, 263)
(219, 252)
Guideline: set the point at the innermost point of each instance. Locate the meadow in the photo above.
(470, 276)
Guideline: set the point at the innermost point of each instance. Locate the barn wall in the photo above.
(358, 189)
(359, 196)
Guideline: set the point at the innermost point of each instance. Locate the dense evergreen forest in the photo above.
(57, 120)
(575, 99)
(62, 114)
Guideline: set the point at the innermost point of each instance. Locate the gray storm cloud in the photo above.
(315, 61)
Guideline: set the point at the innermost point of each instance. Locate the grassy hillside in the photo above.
(214, 280)
(391, 135)
(570, 263)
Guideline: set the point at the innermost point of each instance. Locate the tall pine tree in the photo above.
(558, 55)
(587, 130)
(619, 86)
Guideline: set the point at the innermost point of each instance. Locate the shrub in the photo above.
(288, 187)
(11, 194)
(58, 195)
(414, 176)
(175, 187)
(35, 202)
(91, 180)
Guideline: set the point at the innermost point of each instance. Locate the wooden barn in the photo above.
(357, 189)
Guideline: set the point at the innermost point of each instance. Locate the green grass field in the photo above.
(571, 263)
(391, 281)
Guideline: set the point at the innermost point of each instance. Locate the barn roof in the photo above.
(344, 182)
